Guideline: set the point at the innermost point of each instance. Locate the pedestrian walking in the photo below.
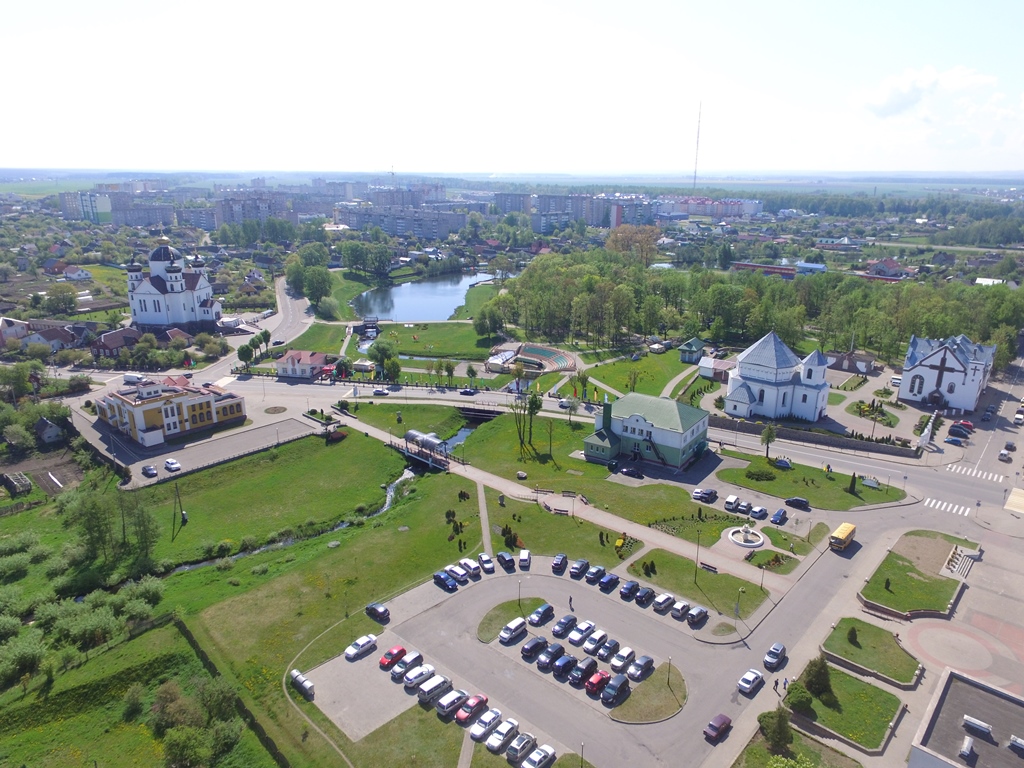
(775, 687)
(570, 603)
(785, 684)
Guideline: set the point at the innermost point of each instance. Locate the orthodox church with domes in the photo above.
(771, 381)
(173, 294)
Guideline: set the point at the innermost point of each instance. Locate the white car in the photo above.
(172, 465)
(581, 633)
(502, 735)
(458, 573)
(623, 659)
(363, 645)
(381, 392)
(595, 641)
(485, 562)
(486, 723)
(414, 677)
(470, 566)
(663, 602)
(750, 682)
(541, 757)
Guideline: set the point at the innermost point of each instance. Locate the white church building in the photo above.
(173, 294)
(947, 373)
(771, 381)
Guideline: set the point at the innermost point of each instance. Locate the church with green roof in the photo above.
(645, 428)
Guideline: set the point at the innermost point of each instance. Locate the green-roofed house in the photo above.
(691, 351)
(648, 428)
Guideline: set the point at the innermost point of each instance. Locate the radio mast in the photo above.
(696, 152)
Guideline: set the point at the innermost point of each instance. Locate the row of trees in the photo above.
(252, 350)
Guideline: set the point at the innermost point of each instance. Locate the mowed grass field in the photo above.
(874, 648)
(454, 340)
(321, 337)
(347, 284)
(655, 372)
(476, 297)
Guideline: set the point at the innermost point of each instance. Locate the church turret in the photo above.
(134, 275)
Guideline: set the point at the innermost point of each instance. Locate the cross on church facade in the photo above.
(942, 369)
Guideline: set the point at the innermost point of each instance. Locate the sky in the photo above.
(481, 87)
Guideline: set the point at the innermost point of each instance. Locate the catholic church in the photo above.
(947, 373)
(174, 294)
(772, 382)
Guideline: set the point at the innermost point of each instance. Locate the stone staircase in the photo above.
(960, 561)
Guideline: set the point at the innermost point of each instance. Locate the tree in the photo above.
(851, 635)
(38, 351)
(633, 376)
(19, 438)
(245, 354)
(583, 377)
(314, 255)
(355, 255)
(263, 336)
(61, 299)
(381, 351)
(518, 409)
(534, 403)
(6, 270)
(518, 370)
(471, 373)
(449, 370)
(187, 746)
(778, 732)
(798, 698)
(816, 676)
(574, 405)
(317, 283)
(294, 274)
(392, 369)
(768, 436)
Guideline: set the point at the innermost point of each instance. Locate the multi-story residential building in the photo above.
(149, 412)
(513, 202)
(397, 222)
(90, 206)
(207, 218)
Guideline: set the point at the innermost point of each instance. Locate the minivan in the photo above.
(524, 560)
(434, 688)
(133, 378)
(450, 702)
(731, 503)
(513, 630)
(470, 567)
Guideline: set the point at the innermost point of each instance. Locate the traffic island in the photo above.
(500, 615)
(659, 697)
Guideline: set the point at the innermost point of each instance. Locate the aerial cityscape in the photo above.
(347, 423)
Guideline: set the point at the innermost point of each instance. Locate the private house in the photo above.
(12, 329)
(54, 266)
(150, 412)
(691, 351)
(111, 343)
(885, 268)
(55, 338)
(77, 273)
(648, 428)
(298, 364)
(772, 382)
(947, 373)
(48, 432)
(364, 366)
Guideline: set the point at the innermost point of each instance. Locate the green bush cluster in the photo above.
(760, 473)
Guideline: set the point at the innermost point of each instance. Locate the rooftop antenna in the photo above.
(696, 152)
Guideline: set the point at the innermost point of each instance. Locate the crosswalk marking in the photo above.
(971, 472)
(947, 506)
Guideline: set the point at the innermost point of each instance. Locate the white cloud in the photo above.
(899, 93)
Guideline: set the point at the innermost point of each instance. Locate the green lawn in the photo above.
(113, 278)
(417, 737)
(875, 648)
(757, 755)
(500, 615)
(476, 297)
(383, 414)
(965, 543)
(888, 420)
(655, 372)
(822, 490)
(860, 711)
(321, 337)
(717, 591)
(268, 492)
(659, 696)
(544, 533)
(909, 589)
(781, 539)
(457, 341)
(835, 398)
(777, 562)
(347, 285)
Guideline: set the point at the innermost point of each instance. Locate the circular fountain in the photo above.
(746, 537)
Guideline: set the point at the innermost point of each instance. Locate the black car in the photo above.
(632, 472)
(545, 613)
(595, 574)
(644, 596)
(579, 568)
(149, 470)
(563, 665)
(445, 581)
(609, 649)
(559, 563)
(629, 590)
(617, 687)
(533, 646)
(550, 655)
(378, 612)
(506, 561)
(583, 670)
(565, 625)
(798, 502)
(609, 582)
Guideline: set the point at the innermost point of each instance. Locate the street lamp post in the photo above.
(520, 596)
(739, 592)
(581, 754)
(762, 578)
(696, 562)
(669, 678)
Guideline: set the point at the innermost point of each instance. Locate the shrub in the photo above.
(234, 582)
(11, 601)
(39, 553)
(133, 701)
(9, 627)
(816, 676)
(760, 474)
(798, 697)
(258, 570)
(225, 564)
(224, 547)
(776, 729)
(248, 544)
(14, 567)
(20, 543)
(55, 566)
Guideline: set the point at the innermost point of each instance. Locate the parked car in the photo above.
(954, 441)
(640, 668)
(595, 574)
(450, 702)
(379, 392)
(361, 647)
(486, 723)
(391, 657)
(565, 625)
(542, 757)
(643, 596)
(458, 573)
(521, 745)
(696, 615)
(502, 735)
(775, 656)
(579, 568)
(744, 507)
(680, 610)
(629, 590)
(544, 613)
(149, 471)
(632, 472)
(172, 465)
(779, 518)
(595, 641)
(445, 581)
(532, 647)
(512, 631)
(583, 670)
(550, 655)
(608, 650)
(609, 582)
(467, 392)
(616, 688)
(663, 602)
(1010, 446)
(1004, 455)
(598, 681)
(623, 659)
(965, 424)
(717, 727)
(471, 708)
(750, 681)
(758, 513)
(506, 561)
(409, 661)
(378, 612)
(798, 501)
(485, 562)
(707, 495)
(986, 416)
(559, 563)
(563, 665)
(277, 343)
(417, 675)
(583, 630)
(955, 431)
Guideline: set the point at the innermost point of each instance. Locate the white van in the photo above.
(524, 559)
(450, 702)
(896, 381)
(731, 503)
(434, 688)
(511, 631)
(680, 609)
(133, 378)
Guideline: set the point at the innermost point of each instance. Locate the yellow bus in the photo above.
(842, 536)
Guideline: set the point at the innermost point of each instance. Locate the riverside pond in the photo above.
(433, 299)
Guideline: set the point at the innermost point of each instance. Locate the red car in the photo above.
(474, 706)
(392, 657)
(598, 681)
(717, 727)
(965, 424)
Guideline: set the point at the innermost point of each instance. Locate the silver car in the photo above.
(502, 735)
